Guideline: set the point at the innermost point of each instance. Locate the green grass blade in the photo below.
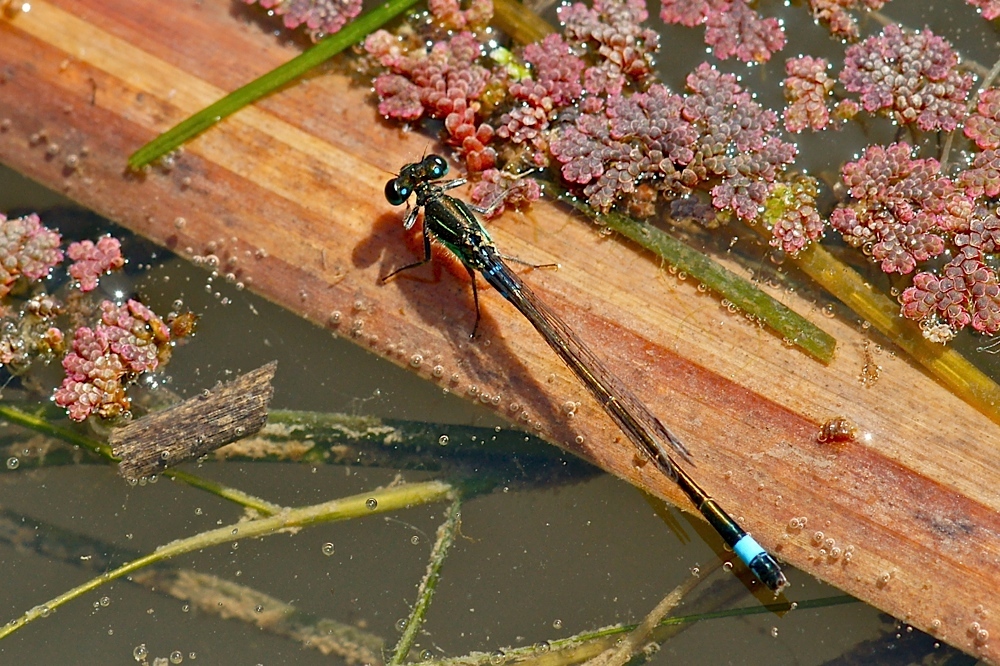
(251, 92)
(793, 327)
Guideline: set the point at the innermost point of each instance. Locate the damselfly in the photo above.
(453, 223)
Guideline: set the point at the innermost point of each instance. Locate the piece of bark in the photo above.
(196, 426)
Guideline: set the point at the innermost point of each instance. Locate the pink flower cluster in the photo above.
(128, 341)
(31, 334)
(716, 136)
(91, 261)
(26, 248)
(837, 14)
(555, 83)
(807, 88)
(444, 83)
(990, 9)
(611, 30)
(967, 291)
(902, 207)
(797, 221)
(732, 27)
(451, 16)
(498, 190)
(910, 75)
(321, 17)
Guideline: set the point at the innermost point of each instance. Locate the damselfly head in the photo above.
(430, 168)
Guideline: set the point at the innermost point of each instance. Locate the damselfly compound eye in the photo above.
(436, 166)
(395, 193)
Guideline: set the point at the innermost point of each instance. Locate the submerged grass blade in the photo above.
(351, 34)
(379, 501)
(589, 644)
(787, 323)
(445, 538)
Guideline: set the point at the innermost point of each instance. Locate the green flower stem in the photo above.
(425, 593)
(793, 327)
(950, 368)
(39, 424)
(357, 506)
(187, 129)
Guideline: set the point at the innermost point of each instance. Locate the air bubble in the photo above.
(443, 440)
(327, 549)
(13, 463)
(371, 503)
